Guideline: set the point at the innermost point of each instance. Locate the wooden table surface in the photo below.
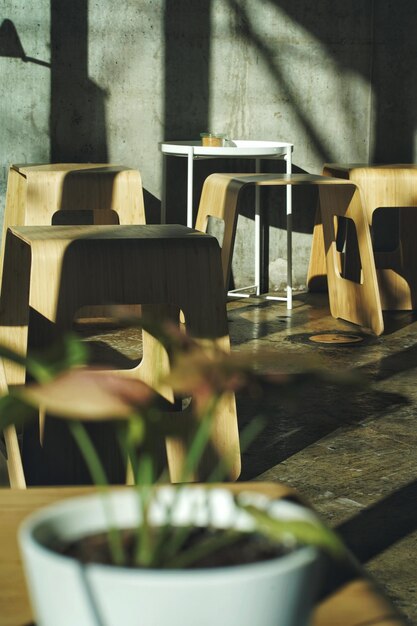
(350, 599)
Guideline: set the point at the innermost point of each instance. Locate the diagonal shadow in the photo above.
(387, 30)
(392, 365)
(248, 33)
(295, 422)
(381, 525)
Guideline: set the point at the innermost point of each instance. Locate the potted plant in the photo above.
(177, 555)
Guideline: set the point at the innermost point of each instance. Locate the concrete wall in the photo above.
(336, 78)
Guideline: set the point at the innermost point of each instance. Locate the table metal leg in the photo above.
(190, 174)
(258, 232)
(164, 190)
(288, 297)
(289, 233)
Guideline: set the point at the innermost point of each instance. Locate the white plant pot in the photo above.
(278, 592)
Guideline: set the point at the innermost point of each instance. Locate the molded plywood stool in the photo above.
(220, 199)
(384, 189)
(168, 266)
(357, 303)
(60, 193)
(72, 193)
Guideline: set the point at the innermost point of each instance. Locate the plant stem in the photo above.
(199, 442)
(144, 551)
(99, 477)
(204, 548)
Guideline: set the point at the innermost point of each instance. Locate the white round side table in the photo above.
(236, 149)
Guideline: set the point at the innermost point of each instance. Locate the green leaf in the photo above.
(302, 532)
(63, 355)
(14, 411)
(99, 477)
(206, 546)
(69, 352)
(136, 430)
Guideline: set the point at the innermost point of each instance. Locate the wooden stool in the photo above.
(356, 303)
(220, 199)
(40, 195)
(72, 193)
(60, 269)
(388, 187)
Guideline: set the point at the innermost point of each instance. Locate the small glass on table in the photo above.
(213, 140)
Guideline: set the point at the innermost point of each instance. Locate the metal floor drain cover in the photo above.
(335, 338)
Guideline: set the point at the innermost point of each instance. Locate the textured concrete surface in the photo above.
(106, 81)
(350, 453)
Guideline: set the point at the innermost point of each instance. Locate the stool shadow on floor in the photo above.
(384, 523)
(293, 424)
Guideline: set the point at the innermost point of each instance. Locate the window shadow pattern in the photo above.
(387, 29)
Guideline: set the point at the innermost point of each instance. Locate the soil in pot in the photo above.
(231, 548)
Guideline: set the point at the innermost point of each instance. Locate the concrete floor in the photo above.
(351, 453)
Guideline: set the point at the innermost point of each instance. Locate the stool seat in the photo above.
(37, 192)
(51, 272)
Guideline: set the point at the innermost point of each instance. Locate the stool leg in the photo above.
(354, 302)
(206, 319)
(14, 459)
(14, 206)
(401, 266)
(14, 320)
(317, 273)
(14, 305)
(219, 198)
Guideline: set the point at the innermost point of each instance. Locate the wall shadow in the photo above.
(375, 40)
(394, 81)
(187, 27)
(10, 44)
(387, 30)
(77, 115)
(247, 32)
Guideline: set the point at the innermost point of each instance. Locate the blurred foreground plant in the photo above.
(65, 387)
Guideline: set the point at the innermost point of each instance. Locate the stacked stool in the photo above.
(171, 267)
(53, 271)
(70, 193)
